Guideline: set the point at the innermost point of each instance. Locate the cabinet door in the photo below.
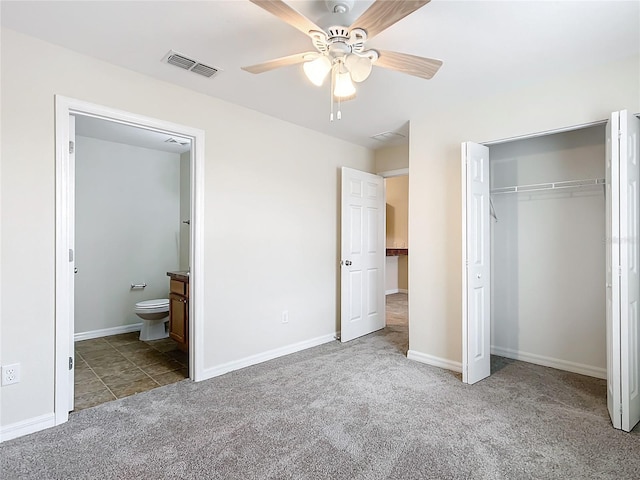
(178, 318)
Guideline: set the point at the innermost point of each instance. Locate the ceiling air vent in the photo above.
(178, 141)
(186, 63)
(389, 137)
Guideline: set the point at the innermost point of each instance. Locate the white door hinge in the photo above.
(71, 254)
(620, 409)
(71, 147)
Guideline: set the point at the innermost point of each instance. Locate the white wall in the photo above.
(185, 210)
(435, 269)
(548, 252)
(127, 229)
(391, 274)
(270, 209)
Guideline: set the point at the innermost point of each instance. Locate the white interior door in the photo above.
(629, 136)
(612, 218)
(71, 225)
(362, 254)
(476, 295)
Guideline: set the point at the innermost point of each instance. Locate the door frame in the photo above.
(400, 172)
(64, 193)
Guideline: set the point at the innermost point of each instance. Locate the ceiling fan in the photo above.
(342, 50)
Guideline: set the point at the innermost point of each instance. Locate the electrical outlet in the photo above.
(10, 374)
(285, 316)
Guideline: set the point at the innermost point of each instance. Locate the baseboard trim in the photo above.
(573, 367)
(434, 361)
(396, 290)
(25, 427)
(105, 332)
(265, 356)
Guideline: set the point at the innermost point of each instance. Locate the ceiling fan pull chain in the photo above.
(339, 111)
(331, 100)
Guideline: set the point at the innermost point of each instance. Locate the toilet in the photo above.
(154, 315)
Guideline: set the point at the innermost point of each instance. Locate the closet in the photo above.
(551, 271)
(548, 250)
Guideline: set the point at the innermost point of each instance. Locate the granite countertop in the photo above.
(394, 252)
(182, 276)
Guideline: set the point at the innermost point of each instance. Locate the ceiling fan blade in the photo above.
(281, 62)
(384, 13)
(287, 14)
(411, 64)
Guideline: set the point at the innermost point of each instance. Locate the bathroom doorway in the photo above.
(132, 221)
(83, 126)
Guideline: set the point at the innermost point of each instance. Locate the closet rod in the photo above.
(537, 187)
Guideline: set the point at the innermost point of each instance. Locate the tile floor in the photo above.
(114, 367)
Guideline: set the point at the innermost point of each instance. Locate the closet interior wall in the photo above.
(548, 252)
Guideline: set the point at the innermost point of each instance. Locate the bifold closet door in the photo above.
(612, 225)
(630, 272)
(623, 271)
(476, 289)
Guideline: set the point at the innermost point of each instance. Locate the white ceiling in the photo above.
(129, 135)
(486, 46)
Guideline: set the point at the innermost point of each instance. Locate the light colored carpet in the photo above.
(359, 410)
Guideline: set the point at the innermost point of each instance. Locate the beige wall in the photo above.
(262, 205)
(435, 273)
(397, 192)
(392, 158)
(403, 272)
(397, 211)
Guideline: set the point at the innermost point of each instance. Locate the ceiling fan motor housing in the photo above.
(339, 6)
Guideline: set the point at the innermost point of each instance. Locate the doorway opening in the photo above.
(116, 141)
(132, 221)
(397, 257)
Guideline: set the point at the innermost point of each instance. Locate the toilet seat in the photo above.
(146, 304)
(158, 305)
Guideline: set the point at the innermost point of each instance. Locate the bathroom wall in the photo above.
(127, 230)
(185, 210)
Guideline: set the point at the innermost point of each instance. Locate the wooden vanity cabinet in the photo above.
(179, 310)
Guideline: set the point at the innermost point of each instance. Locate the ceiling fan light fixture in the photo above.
(317, 70)
(344, 87)
(359, 67)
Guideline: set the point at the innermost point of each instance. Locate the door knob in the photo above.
(478, 275)
(75, 270)
(347, 263)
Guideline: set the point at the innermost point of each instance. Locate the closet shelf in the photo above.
(538, 187)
